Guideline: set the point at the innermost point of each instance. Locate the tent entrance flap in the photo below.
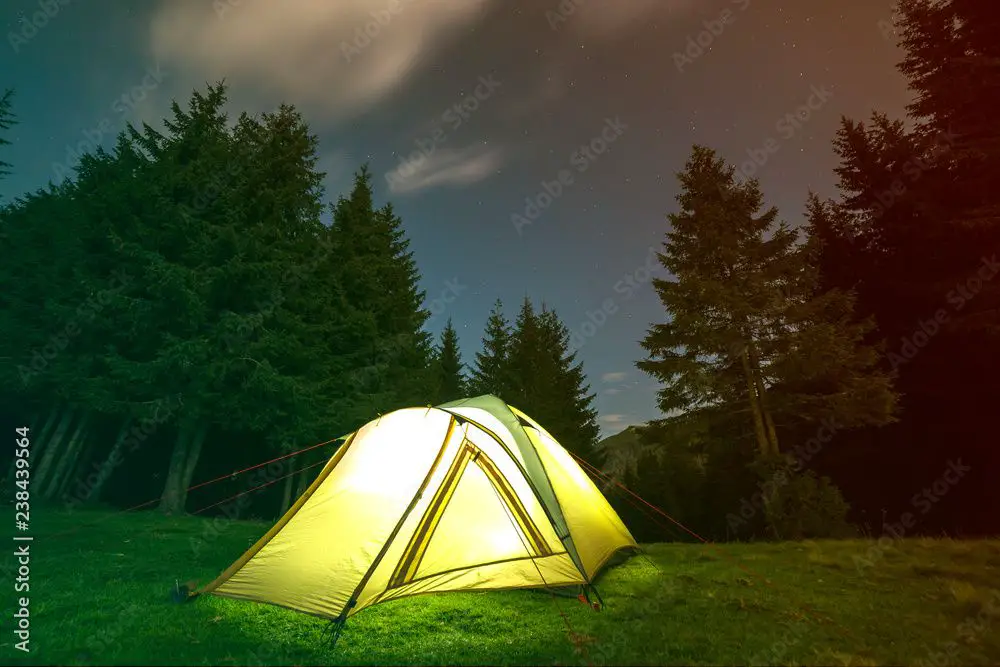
(473, 411)
(474, 504)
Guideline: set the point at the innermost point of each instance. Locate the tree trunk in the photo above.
(84, 451)
(772, 433)
(193, 455)
(183, 461)
(112, 462)
(171, 501)
(758, 420)
(303, 483)
(67, 459)
(38, 442)
(52, 449)
(79, 449)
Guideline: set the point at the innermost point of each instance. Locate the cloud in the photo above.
(313, 53)
(608, 20)
(614, 418)
(445, 166)
(613, 377)
(549, 87)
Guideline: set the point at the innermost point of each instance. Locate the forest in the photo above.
(179, 309)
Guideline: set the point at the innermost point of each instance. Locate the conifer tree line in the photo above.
(851, 359)
(179, 310)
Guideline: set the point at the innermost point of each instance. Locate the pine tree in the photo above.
(916, 234)
(178, 280)
(379, 271)
(746, 325)
(448, 368)
(951, 54)
(214, 278)
(952, 51)
(569, 405)
(489, 375)
(753, 352)
(548, 382)
(707, 355)
(524, 372)
(6, 122)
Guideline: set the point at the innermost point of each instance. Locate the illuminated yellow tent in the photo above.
(469, 495)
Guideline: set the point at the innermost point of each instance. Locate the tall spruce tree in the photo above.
(752, 357)
(570, 404)
(746, 325)
(548, 382)
(449, 376)
(7, 121)
(525, 373)
(381, 278)
(192, 261)
(916, 232)
(490, 372)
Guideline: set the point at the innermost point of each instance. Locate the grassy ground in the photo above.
(100, 595)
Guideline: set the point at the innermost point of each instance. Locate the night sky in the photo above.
(538, 79)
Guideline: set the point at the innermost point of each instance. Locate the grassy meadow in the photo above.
(100, 585)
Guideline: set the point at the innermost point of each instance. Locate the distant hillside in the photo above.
(618, 452)
(624, 439)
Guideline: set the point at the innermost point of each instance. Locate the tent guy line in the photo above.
(191, 488)
(715, 547)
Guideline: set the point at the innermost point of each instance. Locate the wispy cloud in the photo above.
(614, 418)
(550, 87)
(608, 20)
(294, 48)
(446, 166)
(614, 377)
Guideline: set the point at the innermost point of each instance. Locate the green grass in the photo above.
(100, 595)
